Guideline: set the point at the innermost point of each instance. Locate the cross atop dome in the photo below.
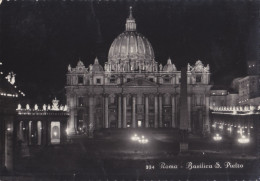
(130, 21)
(130, 13)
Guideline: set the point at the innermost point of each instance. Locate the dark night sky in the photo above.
(40, 39)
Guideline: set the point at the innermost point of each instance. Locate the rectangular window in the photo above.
(128, 80)
(166, 80)
(198, 100)
(98, 81)
(112, 80)
(198, 78)
(151, 79)
(80, 101)
(80, 79)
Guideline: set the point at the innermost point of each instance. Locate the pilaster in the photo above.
(173, 111)
(106, 110)
(146, 111)
(156, 111)
(206, 127)
(91, 115)
(124, 110)
(119, 116)
(134, 111)
(189, 111)
(160, 110)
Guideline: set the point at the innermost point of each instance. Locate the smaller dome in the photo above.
(169, 67)
(97, 67)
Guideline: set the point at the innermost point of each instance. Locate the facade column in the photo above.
(146, 111)
(91, 115)
(106, 110)
(206, 128)
(173, 112)
(124, 111)
(189, 111)
(72, 123)
(156, 111)
(9, 142)
(160, 111)
(48, 131)
(134, 111)
(119, 113)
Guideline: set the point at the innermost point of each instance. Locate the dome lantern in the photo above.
(169, 67)
(96, 67)
(130, 21)
(169, 61)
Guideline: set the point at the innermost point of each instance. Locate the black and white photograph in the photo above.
(129, 90)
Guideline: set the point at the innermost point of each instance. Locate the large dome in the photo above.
(130, 45)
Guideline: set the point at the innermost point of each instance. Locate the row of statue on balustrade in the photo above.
(54, 107)
(147, 66)
(236, 108)
(132, 66)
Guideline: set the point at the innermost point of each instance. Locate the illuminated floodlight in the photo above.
(217, 137)
(243, 139)
(135, 138)
(67, 130)
(143, 140)
(229, 129)
(240, 131)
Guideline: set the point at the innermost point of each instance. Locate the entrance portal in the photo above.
(140, 123)
(55, 132)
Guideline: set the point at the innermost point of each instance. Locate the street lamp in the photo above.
(217, 138)
(143, 141)
(135, 137)
(243, 140)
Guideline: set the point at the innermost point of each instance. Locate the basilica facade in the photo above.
(133, 90)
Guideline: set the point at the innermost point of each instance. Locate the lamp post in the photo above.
(135, 139)
(143, 141)
(217, 138)
(243, 140)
